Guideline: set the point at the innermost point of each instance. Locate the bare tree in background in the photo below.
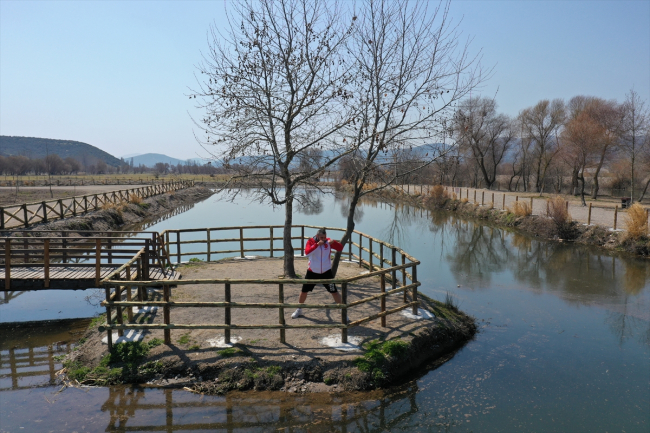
(411, 68)
(275, 87)
(486, 134)
(541, 124)
(634, 129)
(580, 135)
(608, 115)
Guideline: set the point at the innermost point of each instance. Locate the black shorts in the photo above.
(314, 276)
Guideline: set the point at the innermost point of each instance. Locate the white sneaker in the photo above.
(297, 313)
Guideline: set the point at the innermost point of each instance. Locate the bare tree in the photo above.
(541, 124)
(411, 68)
(634, 129)
(608, 115)
(275, 88)
(486, 134)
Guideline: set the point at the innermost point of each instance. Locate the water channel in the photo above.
(564, 342)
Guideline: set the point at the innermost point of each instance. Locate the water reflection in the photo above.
(29, 352)
(6, 296)
(140, 409)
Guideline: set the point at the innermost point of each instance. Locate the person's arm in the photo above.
(311, 246)
(335, 245)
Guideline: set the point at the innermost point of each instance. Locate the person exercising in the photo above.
(319, 250)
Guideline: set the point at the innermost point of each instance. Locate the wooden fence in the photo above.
(381, 258)
(23, 215)
(75, 259)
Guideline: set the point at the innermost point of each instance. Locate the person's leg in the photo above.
(337, 297)
(306, 288)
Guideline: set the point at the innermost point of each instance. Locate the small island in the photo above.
(307, 354)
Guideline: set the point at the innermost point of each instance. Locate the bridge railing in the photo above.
(381, 259)
(46, 253)
(26, 214)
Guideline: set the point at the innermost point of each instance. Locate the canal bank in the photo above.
(537, 226)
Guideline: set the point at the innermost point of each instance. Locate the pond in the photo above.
(564, 342)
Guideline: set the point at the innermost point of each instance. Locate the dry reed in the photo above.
(636, 221)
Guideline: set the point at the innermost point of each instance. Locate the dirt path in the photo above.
(602, 213)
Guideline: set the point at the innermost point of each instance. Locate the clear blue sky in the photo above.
(115, 74)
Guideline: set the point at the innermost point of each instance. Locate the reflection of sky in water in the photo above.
(564, 338)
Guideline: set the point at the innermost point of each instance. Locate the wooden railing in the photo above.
(374, 257)
(23, 215)
(89, 251)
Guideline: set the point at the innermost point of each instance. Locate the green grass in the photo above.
(231, 351)
(184, 339)
(155, 342)
(194, 347)
(375, 357)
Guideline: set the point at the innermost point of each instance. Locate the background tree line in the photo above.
(554, 146)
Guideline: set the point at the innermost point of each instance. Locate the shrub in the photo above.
(521, 208)
(135, 199)
(437, 196)
(636, 221)
(556, 209)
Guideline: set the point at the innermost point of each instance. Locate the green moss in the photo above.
(374, 359)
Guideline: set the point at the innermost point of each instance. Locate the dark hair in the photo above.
(321, 232)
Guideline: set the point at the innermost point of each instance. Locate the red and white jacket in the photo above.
(320, 260)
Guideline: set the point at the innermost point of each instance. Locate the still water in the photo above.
(564, 343)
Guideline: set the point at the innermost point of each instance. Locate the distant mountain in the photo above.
(33, 147)
(150, 159)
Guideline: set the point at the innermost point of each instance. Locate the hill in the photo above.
(150, 159)
(33, 147)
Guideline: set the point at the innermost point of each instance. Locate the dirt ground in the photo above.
(33, 194)
(266, 342)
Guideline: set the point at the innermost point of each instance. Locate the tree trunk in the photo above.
(645, 189)
(289, 268)
(582, 190)
(349, 228)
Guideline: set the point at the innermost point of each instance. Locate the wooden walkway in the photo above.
(69, 277)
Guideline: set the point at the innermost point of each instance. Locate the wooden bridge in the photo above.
(79, 260)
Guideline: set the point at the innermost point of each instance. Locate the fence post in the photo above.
(226, 332)
(109, 331)
(474, 196)
(589, 217)
(492, 199)
(370, 267)
(118, 309)
(404, 275)
(209, 245)
(381, 256)
(178, 246)
(166, 314)
(85, 204)
(129, 310)
(271, 241)
(281, 312)
(393, 263)
(25, 215)
(503, 206)
(360, 249)
(350, 249)
(44, 212)
(615, 216)
(145, 260)
(241, 242)
(46, 262)
(414, 280)
(98, 261)
(7, 264)
(383, 299)
(531, 205)
(344, 312)
(302, 241)
(482, 198)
